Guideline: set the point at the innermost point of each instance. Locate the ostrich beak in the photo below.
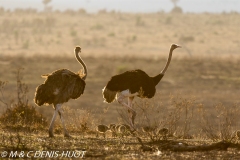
(178, 46)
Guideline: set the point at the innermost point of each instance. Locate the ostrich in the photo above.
(148, 129)
(58, 88)
(113, 129)
(133, 83)
(127, 127)
(124, 130)
(163, 132)
(121, 129)
(102, 129)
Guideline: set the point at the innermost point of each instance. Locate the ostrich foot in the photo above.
(67, 135)
(132, 118)
(50, 134)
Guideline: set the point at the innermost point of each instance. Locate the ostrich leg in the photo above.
(133, 113)
(120, 98)
(66, 134)
(50, 130)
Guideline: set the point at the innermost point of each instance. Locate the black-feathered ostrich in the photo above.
(133, 83)
(59, 87)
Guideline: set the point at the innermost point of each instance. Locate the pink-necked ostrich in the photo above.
(133, 83)
(59, 87)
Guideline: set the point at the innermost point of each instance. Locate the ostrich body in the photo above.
(148, 129)
(121, 130)
(102, 129)
(163, 132)
(133, 83)
(113, 129)
(59, 87)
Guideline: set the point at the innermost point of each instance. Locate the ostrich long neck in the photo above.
(158, 77)
(79, 59)
(168, 62)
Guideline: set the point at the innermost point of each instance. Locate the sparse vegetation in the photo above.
(185, 118)
(2, 96)
(111, 34)
(21, 116)
(197, 101)
(25, 44)
(139, 21)
(97, 27)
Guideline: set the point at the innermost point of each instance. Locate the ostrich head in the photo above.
(174, 46)
(78, 49)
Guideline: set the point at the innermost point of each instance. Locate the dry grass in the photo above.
(209, 81)
(197, 98)
(119, 34)
(190, 104)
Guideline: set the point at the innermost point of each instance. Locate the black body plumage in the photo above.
(59, 87)
(135, 81)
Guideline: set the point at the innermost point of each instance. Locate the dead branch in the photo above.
(183, 147)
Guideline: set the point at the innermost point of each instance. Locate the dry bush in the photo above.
(139, 21)
(177, 10)
(2, 97)
(21, 115)
(221, 124)
(177, 117)
(78, 120)
(180, 116)
(184, 118)
(151, 113)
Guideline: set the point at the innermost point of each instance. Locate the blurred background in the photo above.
(142, 6)
(119, 27)
(120, 35)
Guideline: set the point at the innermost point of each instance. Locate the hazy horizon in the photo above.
(137, 6)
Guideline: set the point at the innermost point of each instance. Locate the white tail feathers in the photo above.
(45, 75)
(108, 95)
